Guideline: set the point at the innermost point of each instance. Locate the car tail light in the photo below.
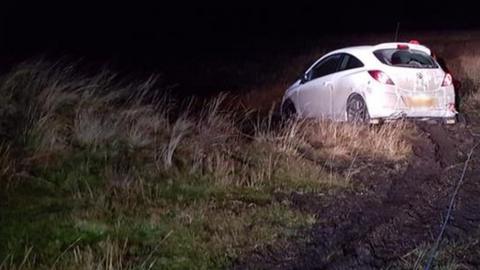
(447, 80)
(402, 47)
(381, 77)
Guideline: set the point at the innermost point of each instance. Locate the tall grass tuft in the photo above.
(343, 140)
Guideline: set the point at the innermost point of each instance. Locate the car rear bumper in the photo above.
(396, 113)
(441, 120)
(390, 105)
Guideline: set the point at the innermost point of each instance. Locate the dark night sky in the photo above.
(105, 29)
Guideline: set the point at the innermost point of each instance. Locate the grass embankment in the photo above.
(101, 174)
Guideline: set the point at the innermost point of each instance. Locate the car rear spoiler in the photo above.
(394, 45)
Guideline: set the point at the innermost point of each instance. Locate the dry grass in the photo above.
(388, 142)
(7, 165)
(109, 255)
(148, 185)
(91, 141)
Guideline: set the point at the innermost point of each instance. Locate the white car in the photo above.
(373, 84)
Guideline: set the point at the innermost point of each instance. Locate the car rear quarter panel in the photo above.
(347, 83)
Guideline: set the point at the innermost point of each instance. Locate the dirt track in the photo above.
(396, 211)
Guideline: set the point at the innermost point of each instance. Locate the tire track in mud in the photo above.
(370, 230)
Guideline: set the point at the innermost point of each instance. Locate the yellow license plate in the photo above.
(420, 101)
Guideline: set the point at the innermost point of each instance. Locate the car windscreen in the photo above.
(405, 58)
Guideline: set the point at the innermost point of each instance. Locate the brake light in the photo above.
(381, 77)
(447, 80)
(402, 47)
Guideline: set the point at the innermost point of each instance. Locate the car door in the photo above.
(345, 82)
(314, 95)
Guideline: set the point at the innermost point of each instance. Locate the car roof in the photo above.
(354, 50)
(389, 45)
(364, 53)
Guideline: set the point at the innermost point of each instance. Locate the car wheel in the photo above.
(288, 110)
(357, 111)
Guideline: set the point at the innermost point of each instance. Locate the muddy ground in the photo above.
(398, 208)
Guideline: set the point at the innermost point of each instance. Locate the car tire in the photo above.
(288, 110)
(357, 111)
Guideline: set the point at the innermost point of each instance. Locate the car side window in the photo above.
(350, 62)
(327, 66)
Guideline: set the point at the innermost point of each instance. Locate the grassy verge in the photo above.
(97, 173)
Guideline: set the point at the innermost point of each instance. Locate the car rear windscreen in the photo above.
(405, 58)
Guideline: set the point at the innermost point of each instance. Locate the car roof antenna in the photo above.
(396, 31)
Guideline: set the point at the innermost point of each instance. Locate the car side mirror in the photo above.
(303, 78)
